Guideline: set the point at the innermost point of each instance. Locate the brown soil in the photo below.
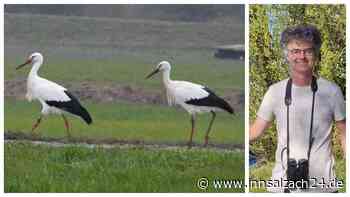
(16, 89)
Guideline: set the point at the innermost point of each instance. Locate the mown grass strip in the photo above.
(41, 168)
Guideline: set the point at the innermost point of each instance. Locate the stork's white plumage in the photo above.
(54, 98)
(194, 98)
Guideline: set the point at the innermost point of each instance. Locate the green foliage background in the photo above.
(267, 64)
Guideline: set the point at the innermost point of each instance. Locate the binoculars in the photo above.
(298, 172)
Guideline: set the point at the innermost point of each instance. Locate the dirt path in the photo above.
(10, 136)
(16, 88)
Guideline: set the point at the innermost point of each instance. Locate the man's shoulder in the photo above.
(279, 85)
(327, 85)
(322, 82)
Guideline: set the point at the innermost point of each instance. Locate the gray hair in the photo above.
(305, 32)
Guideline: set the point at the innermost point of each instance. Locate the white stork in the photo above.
(194, 98)
(54, 98)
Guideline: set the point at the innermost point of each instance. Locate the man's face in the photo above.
(301, 56)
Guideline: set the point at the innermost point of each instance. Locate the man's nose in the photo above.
(301, 54)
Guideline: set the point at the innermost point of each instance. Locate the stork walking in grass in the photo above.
(54, 98)
(194, 98)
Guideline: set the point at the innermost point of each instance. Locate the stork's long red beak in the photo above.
(152, 73)
(25, 63)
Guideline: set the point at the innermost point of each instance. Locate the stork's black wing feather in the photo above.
(73, 106)
(212, 100)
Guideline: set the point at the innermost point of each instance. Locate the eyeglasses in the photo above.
(307, 52)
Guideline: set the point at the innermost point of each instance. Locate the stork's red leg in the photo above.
(36, 124)
(192, 130)
(66, 123)
(209, 128)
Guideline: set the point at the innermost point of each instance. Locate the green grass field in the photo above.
(127, 121)
(40, 168)
(121, 55)
(132, 170)
(131, 68)
(263, 172)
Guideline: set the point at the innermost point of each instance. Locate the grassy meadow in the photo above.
(79, 169)
(131, 69)
(127, 121)
(107, 57)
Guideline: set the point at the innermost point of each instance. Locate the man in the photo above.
(301, 46)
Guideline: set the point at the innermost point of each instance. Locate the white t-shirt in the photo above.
(329, 107)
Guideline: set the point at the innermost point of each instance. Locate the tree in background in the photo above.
(267, 64)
